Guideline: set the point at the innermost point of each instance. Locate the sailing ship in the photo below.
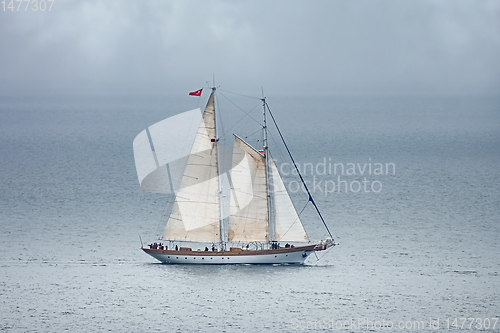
(204, 227)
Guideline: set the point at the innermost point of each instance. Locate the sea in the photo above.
(408, 186)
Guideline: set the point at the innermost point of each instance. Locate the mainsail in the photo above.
(195, 214)
(248, 220)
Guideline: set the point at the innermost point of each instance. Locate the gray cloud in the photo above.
(287, 46)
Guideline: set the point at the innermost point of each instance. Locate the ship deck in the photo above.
(241, 252)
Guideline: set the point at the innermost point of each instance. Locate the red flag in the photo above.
(196, 93)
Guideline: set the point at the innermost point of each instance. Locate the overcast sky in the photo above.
(161, 46)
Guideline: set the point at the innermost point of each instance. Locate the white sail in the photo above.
(195, 214)
(288, 225)
(248, 220)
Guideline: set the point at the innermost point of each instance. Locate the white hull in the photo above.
(281, 256)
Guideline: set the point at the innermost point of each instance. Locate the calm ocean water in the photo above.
(424, 248)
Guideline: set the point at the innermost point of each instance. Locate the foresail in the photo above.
(195, 214)
(288, 225)
(248, 220)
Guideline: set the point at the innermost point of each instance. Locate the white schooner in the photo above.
(259, 216)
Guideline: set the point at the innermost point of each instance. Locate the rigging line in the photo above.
(282, 155)
(300, 175)
(259, 98)
(252, 133)
(277, 147)
(239, 107)
(230, 128)
(246, 113)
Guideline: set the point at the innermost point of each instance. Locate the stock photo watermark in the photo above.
(470, 323)
(337, 177)
(27, 5)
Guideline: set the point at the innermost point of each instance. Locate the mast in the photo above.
(272, 231)
(221, 204)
